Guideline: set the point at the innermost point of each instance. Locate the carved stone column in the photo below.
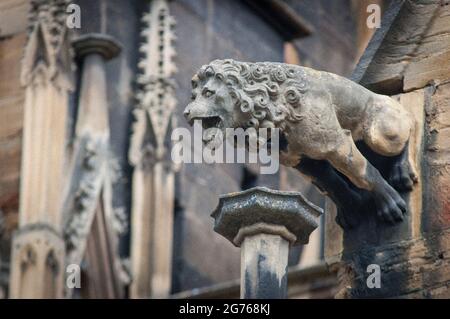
(90, 176)
(264, 223)
(91, 142)
(37, 263)
(154, 174)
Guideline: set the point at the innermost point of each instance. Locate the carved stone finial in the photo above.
(328, 124)
(48, 53)
(156, 93)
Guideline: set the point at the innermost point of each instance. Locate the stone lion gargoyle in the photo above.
(326, 124)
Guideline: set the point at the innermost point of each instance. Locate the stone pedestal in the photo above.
(264, 223)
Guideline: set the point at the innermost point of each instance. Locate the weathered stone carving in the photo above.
(322, 117)
(86, 190)
(47, 74)
(48, 55)
(156, 95)
(38, 259)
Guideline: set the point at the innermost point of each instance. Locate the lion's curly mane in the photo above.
(271, 93)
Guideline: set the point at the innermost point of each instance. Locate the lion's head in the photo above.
(231, 94)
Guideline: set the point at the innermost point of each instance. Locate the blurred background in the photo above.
(147, 230)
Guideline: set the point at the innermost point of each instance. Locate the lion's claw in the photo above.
(390, 206)
(402, 177)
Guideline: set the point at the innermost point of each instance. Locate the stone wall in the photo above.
(11, 122)
(332, 45)
(413, 256)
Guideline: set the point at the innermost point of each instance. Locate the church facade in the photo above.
(91, 203)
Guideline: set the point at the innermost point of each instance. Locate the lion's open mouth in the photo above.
(209, 122)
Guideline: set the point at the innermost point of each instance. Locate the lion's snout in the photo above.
(198, 111)
(189, 113)
(186, 113)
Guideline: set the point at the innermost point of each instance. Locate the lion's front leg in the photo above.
(348, 200)
(347, 159)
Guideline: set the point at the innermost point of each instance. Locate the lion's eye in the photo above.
(208, 93)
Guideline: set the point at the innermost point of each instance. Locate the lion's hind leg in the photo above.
(347, 159)
(400, 174)
(387, 127)
(387, 130)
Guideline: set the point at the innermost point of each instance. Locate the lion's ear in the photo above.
(194, 81)
(209, 71)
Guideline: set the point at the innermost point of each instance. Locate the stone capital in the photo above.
(97, 43)
(261, 210)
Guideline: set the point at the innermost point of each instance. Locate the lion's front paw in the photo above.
(402, 177)
(390, 206)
